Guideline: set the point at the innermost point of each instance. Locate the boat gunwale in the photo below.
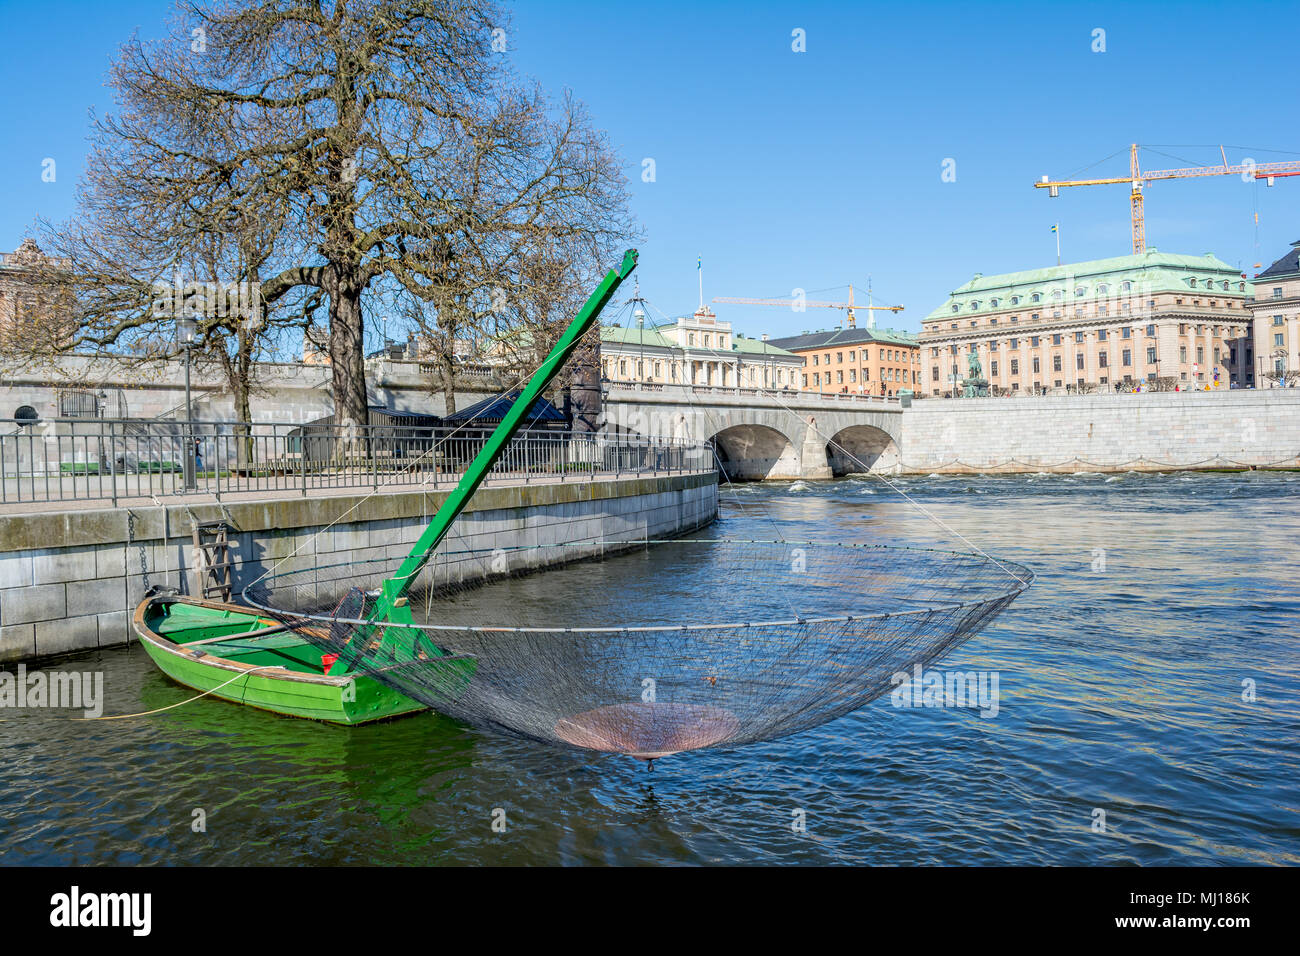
(166, 645)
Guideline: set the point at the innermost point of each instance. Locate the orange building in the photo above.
(859, 361)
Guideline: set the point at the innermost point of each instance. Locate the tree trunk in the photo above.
(447, 372)
(243, 429)
(348, 366)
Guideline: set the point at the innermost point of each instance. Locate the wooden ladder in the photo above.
(211, 557)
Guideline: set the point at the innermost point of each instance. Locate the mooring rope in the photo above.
(159, 710)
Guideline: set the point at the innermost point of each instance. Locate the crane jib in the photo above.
(391, 605)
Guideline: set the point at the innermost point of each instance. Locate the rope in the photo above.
(159, 710)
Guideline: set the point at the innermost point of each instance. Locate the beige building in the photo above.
(1276, 308)
(1156, 318)
(695, 350)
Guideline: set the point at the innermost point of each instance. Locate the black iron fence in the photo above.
(111, 459)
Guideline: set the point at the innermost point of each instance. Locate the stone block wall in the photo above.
(79, 594)
(1150, 431)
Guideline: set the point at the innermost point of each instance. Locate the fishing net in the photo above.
(631, 658)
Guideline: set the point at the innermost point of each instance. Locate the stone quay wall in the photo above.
(1150, 431)
(69, 580)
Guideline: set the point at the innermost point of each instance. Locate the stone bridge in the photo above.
(766, 433)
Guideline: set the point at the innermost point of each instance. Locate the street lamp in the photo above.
(186, 332)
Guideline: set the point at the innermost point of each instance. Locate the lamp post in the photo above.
(186, 332)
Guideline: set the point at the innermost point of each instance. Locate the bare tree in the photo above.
(389, 137)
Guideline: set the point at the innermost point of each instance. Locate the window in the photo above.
(1080, 292)
(853, 375)
(1015, 366)
(1036, 365)
(839, 378)
(1127, 357)
(828, 360)
(993, 321)
(1015, 300)
(956, 308)
(1056, 363)
(1182, 353)
(805, 381)
(1078, 336)
(1127, 333)
(1035, 297)
(1033, 343)
(690, 339)
(1103, 289)
(839, 357)
(1101, 335)
(1192, 283)
(1278, 339)
(993, 303)
(975, 304)
(934, 373)
(1278, 320)
(1101, 359)
(1056, 338)
(1012, 344)
(1034, 316)
(815, 360)
(1078, 361)
(1277, 293)
(993, 368)
(1200, 355)
(817, 378)
(1126, 287)
(1151, 331)
(1151, 355)
(1056, 294)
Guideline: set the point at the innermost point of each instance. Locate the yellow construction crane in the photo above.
(850, 307)
(1139, 178)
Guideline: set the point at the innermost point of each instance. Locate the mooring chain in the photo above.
(130, 539)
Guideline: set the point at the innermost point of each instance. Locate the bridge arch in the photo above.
(859, 448)
(752, 452)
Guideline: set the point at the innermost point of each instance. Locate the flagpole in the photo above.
(699, 268)
(1057, 230)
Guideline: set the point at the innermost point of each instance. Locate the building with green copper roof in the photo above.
(1156, 320)
(694, 350)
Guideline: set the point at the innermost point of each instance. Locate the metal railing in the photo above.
(791, 393)
(113, 459)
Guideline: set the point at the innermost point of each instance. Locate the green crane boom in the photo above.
(392, 606)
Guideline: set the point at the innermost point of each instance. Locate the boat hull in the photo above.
(278, 671)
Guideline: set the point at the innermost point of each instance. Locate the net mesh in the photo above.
(631, 659)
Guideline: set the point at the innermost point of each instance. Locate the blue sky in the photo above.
(812, 170)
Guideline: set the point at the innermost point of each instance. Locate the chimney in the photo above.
(764, 336)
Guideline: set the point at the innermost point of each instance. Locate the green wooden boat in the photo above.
(207, 645)
(245, 657)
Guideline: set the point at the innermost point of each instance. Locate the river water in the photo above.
(1149, 680)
